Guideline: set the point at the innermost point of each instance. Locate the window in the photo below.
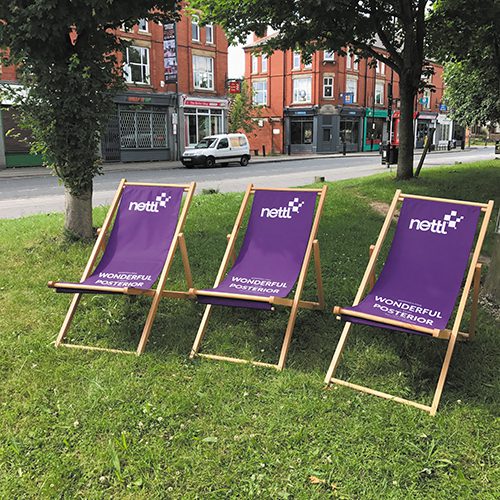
(379, 93)
(328, 55)
(351, 86)
(264, 63)
(260, 93)
(143, 25)
(296, 60)
(355, 63)
(348, 61)
(223, 143)
(255, 64)
(203, 72)
(195, 29)
(380, 68)
(328, 87)
(202, 123)
(426, 101)
(136, 66)
(302, 89)
(308, 65)
(143, 129)
(301, 131)
(209, 33)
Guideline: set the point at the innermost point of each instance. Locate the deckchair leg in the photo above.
(288, 335)
(338, 353)
(149, 322)
(475, 299)
(442, 375)
(319, 278)
(185, 261)
(201, 331)
(68, 319)
(372, 279)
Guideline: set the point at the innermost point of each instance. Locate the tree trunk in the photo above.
(78, 215)
(406, 133)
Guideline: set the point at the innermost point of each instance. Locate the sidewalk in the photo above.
(12, 173)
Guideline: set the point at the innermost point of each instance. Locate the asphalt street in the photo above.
(26, 195)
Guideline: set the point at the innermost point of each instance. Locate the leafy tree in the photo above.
(67, 59)
(465, 37)
(242, 112)
(336, 24)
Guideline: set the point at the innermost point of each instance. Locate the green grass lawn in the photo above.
(78, 424)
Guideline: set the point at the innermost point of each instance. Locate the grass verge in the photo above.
(83, 424)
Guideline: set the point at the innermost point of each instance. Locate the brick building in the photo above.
(176, 87)
(332, 102)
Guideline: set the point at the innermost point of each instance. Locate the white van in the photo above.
(218, 149)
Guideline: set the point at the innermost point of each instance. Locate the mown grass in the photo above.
(93, 425)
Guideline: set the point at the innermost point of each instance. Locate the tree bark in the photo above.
(406, 132)
(78, 215)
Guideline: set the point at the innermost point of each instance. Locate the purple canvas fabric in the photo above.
(140, 239)
(423, 272)
(272, 253)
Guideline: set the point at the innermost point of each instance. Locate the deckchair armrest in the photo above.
(339, 311)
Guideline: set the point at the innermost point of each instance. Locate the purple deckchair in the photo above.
(418, 286)
(141, 245)
(276, 249)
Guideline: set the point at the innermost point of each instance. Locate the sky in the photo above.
(236, 62)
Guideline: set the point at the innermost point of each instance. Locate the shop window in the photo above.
(301, 131)
(143, 129)
(328, 87)
(349, 131)
(136, 66)
(260, 93)
(202, 123)
(203, 72)
(302, 90)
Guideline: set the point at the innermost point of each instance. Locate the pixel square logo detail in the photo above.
(293, 206)
(435, 225)
(150, 206)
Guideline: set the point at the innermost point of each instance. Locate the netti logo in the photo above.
(294, 206)
(150, 206)
(435, 225)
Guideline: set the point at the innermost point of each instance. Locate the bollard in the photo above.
(289, 149)
(256, 152)
(344, 148)
(263, 150)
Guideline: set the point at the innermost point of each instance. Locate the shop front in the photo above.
(141, 128)
(444, 129)
(200, 117)
(423, 123)
(375, 129)
(300, 130)
(351, 129)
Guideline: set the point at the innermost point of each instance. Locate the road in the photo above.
(21, 196)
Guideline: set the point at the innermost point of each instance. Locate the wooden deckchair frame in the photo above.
(312, 250)
(473, 278)
(157, 293)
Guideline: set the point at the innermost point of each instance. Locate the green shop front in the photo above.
(374, 128)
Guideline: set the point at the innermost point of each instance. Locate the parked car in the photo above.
(218, 149)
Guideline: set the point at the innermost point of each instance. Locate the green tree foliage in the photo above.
(465, 36)
(334, 25)
(242, 112)
(69, 82)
